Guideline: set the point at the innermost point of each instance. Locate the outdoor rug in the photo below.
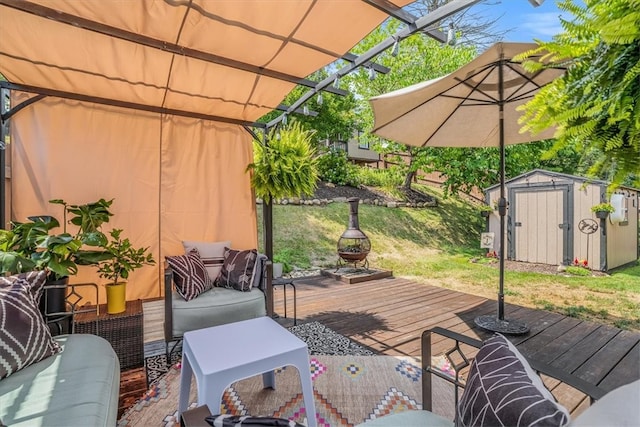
(319, 338)
(347, 389)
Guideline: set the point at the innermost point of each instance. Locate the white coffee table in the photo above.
(221, 355)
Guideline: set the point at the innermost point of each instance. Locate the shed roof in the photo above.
(553, 174)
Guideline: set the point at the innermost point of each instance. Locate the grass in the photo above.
(435, 246)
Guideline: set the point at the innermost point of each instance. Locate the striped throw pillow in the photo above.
(237, 270)
(502, 389)
(24, 336)
(189, 274)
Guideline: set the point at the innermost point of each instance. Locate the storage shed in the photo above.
(549, 221)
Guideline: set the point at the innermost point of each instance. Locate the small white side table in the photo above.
(221, 355)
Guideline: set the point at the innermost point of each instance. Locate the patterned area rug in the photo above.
(348, 390)
(319, 338)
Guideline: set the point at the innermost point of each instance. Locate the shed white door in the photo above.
(539, 226)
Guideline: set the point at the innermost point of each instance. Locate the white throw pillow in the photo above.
(211, 254)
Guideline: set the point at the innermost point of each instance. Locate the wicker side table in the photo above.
(123, 330)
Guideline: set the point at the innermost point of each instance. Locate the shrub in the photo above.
(578, 271)
(334, 167)
(385, 178)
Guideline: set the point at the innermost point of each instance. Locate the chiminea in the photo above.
(353, 245)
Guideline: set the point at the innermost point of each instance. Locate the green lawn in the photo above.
(435, 246)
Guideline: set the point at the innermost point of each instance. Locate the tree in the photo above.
(336, 117)
(472, 27)
(419, 58)
(595, 105)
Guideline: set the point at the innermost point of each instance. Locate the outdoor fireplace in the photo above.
(353, 245)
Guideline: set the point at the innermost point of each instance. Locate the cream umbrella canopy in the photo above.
(475, 106)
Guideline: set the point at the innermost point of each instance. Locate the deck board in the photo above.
(389, 315)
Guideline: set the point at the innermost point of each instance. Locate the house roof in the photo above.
(232, 61)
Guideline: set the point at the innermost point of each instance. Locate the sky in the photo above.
(527, 22)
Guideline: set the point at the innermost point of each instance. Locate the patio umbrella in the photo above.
(475, 106)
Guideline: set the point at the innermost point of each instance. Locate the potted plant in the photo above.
(284, 166)
(485, 210)
(123, 259)
(33, 246)
(602, 210)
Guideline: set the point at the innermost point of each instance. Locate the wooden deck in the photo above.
(389, 316)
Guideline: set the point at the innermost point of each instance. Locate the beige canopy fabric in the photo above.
(171, 179)
(199, 68)
(129, 54)
(461, 108)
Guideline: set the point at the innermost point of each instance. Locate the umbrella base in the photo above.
(504, 326)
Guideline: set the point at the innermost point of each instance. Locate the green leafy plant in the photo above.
(285, 257)
(385, 178)
(284, 166)
(33, 246)
(603, 207)
(123, 258)
(594, 105)
(578, 271)
(334, 167)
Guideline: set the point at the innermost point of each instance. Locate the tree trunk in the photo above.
(408, 179)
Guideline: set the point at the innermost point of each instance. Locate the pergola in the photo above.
(155, 104)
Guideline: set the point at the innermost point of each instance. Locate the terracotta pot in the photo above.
(116, 298)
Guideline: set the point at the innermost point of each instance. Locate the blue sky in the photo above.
(527, 22)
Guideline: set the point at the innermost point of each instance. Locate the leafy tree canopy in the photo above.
(336, 119)
(596, 104)
(463, 169)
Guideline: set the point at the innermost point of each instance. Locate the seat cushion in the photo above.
(77, 387)
(409, 419)
(215, 307)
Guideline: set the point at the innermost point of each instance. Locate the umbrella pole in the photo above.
(499, 323)
(502, 211)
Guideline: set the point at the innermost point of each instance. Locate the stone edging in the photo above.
(296, 201)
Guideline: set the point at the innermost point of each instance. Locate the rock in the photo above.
(340, 199)
(561, 268)
(392, 204)
(316, 202)
(330, 184)
(284, 202)
(294, 200)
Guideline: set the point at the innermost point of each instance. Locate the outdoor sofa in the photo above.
(68, 380)
(76, 387)
(505, 388)
(215, 306)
